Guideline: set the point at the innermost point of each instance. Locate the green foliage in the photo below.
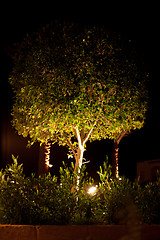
(42, 200)
(11, 188)
(123, 202)
(65, 76)
(116, 195)
(147, 200)
(50, 200)
(32, 200)
(86, 204)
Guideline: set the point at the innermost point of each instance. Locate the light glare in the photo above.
(92, 190)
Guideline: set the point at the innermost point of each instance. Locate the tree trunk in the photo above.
(79, 159)
(44, 158)
(78, 163)
(115, 168)
(82, 138)
(47, 148)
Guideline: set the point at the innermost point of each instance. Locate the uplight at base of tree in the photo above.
(92, 190)
(49, 165)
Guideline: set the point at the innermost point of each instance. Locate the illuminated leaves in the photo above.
(64, 78)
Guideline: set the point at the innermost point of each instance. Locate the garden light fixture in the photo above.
(92, 190)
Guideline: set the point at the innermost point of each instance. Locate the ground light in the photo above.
(92, 190)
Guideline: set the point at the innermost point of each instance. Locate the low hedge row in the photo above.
(57, 200)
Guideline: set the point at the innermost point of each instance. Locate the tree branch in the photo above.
(88, 135)
(71, 146)
(77, 133)
(82, 133)
(90, 131)
(121, 135)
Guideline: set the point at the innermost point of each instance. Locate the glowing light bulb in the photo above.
(92, 190)
(49, 165)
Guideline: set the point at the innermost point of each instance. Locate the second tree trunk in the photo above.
(115, 168)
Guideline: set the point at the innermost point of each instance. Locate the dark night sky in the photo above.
(137, 23)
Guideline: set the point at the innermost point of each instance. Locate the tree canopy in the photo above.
(75, 84)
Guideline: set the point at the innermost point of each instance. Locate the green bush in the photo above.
(86, 203)
(124, 202)
(117, 197)
(42, 200)
(50, 200)
(148, 201)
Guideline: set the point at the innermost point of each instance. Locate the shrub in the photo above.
(148, 201)
(42, 200)
(31, 200)
(117, 197)
(126, 202)
(86, 203)
(11, 193)
(50, 200)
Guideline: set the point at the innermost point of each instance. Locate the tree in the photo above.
(132, 115)
(32, 59)
(135, 115)
(69, 87)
